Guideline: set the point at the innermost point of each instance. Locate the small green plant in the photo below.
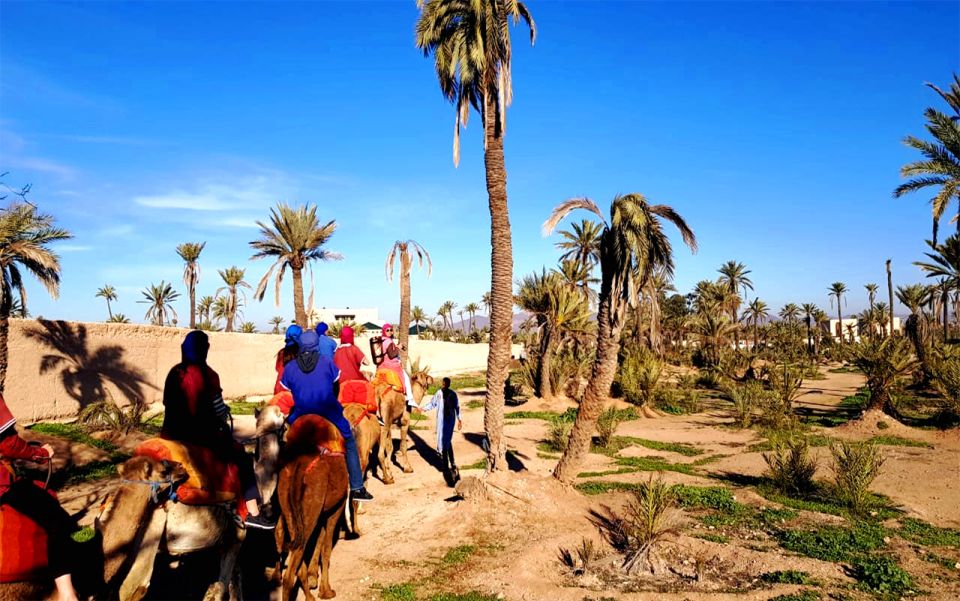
(747, 399)
(648, 518)
(83, 535)
(399, 592)
(581, 558)
(607, 426)
(806, 595)
(558, 435)
(713, 538)
(712, 497)
(834, 543)
(855, 466)
(788, 577)
(458, 555)
(107, 415)
(791, 467)
(881, 574)
(926, 534)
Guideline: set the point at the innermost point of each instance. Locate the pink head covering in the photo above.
(346, 335)
(383, 330)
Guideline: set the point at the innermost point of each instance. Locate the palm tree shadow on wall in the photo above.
(85, 373)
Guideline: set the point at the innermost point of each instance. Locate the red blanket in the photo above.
(311, 433)
(210, 481)
(360, 392)
(23, 546)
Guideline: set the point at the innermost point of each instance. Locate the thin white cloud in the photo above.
(42, 166)
(73, 248)
(224, 194)
(124, 230)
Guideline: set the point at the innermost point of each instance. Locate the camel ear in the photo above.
(256, 413)
(133, 469)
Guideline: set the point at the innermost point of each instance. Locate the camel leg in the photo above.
(324, 550)
(354, 511)
(386, 450)
(404, 426)
(294, 560)
(228, 568)
(137, 582)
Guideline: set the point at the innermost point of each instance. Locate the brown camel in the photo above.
(312, 490)
(393, 410)
(367, 433)
(139, 520)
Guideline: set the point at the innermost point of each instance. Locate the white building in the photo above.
(360, 315)
(851, 328)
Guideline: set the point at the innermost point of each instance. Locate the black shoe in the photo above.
(260, 522)
(361, 495)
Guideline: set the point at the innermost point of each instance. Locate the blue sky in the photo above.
(773, 128)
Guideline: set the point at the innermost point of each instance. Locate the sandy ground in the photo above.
(516, 533)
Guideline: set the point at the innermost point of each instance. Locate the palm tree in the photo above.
(108, 293)
(220, 309)
(790, 313)
(757, 310)
(914, 297)
(945, 264)
(890, 293)
(733, 275)
(402, 250)
(470, 44)
(633, 245)
(442, 313)
(471, 310)
(871, 293)
(276, 321)
(233, 278)
(838, 289)
(940, 166)
(295, 237)
(579, 277)
(24, 239)
(582, 244)
(418, 316)
(248, 327)
(190, 253)
(487, 301)
(118, 318)
(809, 310)
(203, 307)
(450, 306)
(159, 297)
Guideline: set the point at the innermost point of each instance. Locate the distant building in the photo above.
(361, 315)
(852, 329)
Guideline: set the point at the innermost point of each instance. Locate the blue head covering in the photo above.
(309, 342)
(322, 328)
(293, 335)
(195, 347)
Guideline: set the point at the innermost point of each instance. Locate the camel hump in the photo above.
(210, 479)
(311, 434)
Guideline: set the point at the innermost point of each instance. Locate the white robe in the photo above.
(437, 402)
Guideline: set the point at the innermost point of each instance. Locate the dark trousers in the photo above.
(37, 504)
(450, 472)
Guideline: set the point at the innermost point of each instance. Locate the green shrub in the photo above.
(855, 466)
(647, 519)
(712, 497)
(399, 592)
(458, 555)
(944, 366)
(747, 399)
(791, 468)
(801, 596)
(638, 375)
(558, 435)
(881, 574)
(926, 534)
(788, 577)
(607, 426)
(834, 543)
(709, 379)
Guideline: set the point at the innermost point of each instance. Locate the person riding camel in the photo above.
(349, 358)
(311, 379)
(288, 353)
(326, 345)
(194, 413)
(391, 360)
(24, 496)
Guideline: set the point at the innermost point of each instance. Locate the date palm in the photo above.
(276, 321)
(107, 293)
(871, 293)
(940, 166)
(471, 309)
(944, 263)
(294, 238)
(578, 277)
(581, 243)
(159, 297)
(233, 278)
(756, 311)
(734, 276)
(25, 236)
(790, 313)
(633, 245)
(405, 251)
(203, 307)
(471, 48)
(442, 314)
(190, 253)
(248, 327)
(809, 310)
(418, 316)
(118, 318)
(838, 290)
(487, 300)
(914, 297)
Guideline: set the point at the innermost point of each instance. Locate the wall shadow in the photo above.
(85, 373)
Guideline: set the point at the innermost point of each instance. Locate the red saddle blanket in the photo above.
(360, 392)
(390, 377)
(284, 400)
(211, 480)
(23, 546)
(312, 433)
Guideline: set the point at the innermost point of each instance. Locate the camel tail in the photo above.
(294, 501)
(348, 510)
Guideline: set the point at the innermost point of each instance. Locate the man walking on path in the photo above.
(448, 414)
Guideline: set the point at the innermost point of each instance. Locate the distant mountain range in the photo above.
(482, 321)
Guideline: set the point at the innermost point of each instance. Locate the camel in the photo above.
(393, 410)
(312, 490)
(367, 433)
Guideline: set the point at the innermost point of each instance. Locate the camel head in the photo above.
(147, 469)
(420, 381)
(269, 420)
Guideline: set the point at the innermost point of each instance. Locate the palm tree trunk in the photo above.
(404, 325)
(109, 311)
(839, 320)
(890, 294)
(756, 339)
(501, 287)
(299, 313)
(193, 307)
(546, 362)
(946, 309)
(597, 393)
(736, 329)
(231, 311)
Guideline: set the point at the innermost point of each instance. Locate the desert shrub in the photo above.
(785, 383)
(791, 468)
(639, 375)
(944, 366)
(108, 416)
(881, 574)
(648, 517)
(607, 426)
(884, 362)
(569, 366)
(855, 466)
(580, 558)
(687, 381)
(709, 379)
(788, 577)
(747, 399)
(558, 435)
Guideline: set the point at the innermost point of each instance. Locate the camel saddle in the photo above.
(211, 480)
(359, 392)
(389, 377)
(284, 400)
(23, 546)
(311, 434)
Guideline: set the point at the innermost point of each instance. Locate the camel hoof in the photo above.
(408, 470)
(330, 594)
(387, 480)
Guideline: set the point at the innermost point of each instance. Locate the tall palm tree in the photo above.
(733, 275)
(890, 294)
(221, 309)
(837, 290)
(25, 236)
(276, 321)
(578, 277)
(294, 237)
(233, 278)
(402, 250)
(944, 264)
(418, 316)
(108, 293)
(190, 253)
(203, 307)
(871, 293)
(790, 313)
(756, 311)
(160, 298)
(809, 310)
(449, 306)
(470, 44)
(442, 313)
(914, 297)
(582, 244)
(471, 309)
(633, 245)
(940, 166)
(487, 301)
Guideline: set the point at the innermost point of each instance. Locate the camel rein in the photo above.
(156, 486)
